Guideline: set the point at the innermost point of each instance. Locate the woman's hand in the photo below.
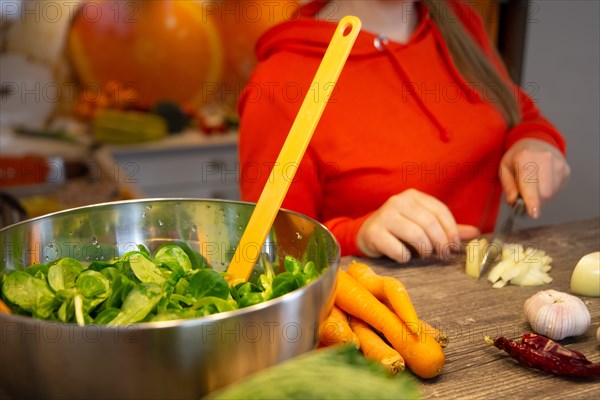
(412, 219)
(536, 170)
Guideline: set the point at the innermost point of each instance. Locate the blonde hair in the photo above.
(470, 61)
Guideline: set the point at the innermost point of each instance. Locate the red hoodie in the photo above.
(400, 117)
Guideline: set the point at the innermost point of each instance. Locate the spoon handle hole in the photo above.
(347, 29)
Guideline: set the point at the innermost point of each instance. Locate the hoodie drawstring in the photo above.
(380, 44)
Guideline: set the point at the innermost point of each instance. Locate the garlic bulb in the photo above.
(557, 315)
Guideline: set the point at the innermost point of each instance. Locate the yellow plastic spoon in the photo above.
(272, 195)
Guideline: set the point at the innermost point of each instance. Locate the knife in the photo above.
(500, 236)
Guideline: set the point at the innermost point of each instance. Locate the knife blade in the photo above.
(500, 236)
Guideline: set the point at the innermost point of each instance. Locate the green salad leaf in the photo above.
(207, 282)
(138, 303)
(335, 372)
(173, 283)
(144, 269)
(173, 255)
(31, 293)
(62, 275)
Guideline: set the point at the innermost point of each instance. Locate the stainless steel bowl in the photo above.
(173, 359)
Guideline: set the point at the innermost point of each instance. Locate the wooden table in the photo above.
(467, 309)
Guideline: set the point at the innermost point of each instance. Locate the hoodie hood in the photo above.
(309, 36)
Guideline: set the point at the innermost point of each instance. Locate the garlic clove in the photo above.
(557, 315)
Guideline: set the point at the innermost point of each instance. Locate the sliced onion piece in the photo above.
(522, 267)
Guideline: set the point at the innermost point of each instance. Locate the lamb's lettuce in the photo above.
(172, 283)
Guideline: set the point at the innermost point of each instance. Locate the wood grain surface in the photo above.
(467, 309)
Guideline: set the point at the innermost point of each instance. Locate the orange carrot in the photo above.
(437, 334)
(4, 308)
(427, 329)
(368, 278)
(422, 354)
(375, 348)
(336, 330)
(387, 288)
(396, 294)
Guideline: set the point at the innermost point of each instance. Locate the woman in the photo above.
(421, 136)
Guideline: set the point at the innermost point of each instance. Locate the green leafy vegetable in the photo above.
(62, 275)
(120, 285)
(93, 286)
(106, 316)
(207, 282)
(284, 283)
(292, 265)
(30, 293)
(211, 302)
(310, 272)
(174, 283)
(250, 299)
(331, 373)
(144, 269)
(138, 304)
(35, 268)
(173, 255)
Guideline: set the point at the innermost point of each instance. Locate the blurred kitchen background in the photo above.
(112, 100)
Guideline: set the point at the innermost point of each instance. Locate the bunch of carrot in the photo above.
(375, 313)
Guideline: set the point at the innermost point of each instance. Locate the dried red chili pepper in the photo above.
(545, 344)
(546, 355)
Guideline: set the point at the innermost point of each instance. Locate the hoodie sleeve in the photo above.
(345, 230)
(533, 124)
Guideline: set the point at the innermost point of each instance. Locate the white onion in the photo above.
(585, 279)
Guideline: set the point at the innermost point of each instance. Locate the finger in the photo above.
(413, 235)
(440, 224)
(547, 185)
(528, 181)
(389, 245)
(467, 232)
(565, 173)
(507, 179)
(375, 239)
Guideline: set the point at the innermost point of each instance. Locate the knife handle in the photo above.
(518, 206)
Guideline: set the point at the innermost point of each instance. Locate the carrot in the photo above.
(368, 278)
(421, 353)
(336, 330)
(426, 329)
(375, 348)
(387, 288)
(437, 334)
(4, 308)
(396, 294)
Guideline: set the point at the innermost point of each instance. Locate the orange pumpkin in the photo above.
(165, 50)
(240, 24)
